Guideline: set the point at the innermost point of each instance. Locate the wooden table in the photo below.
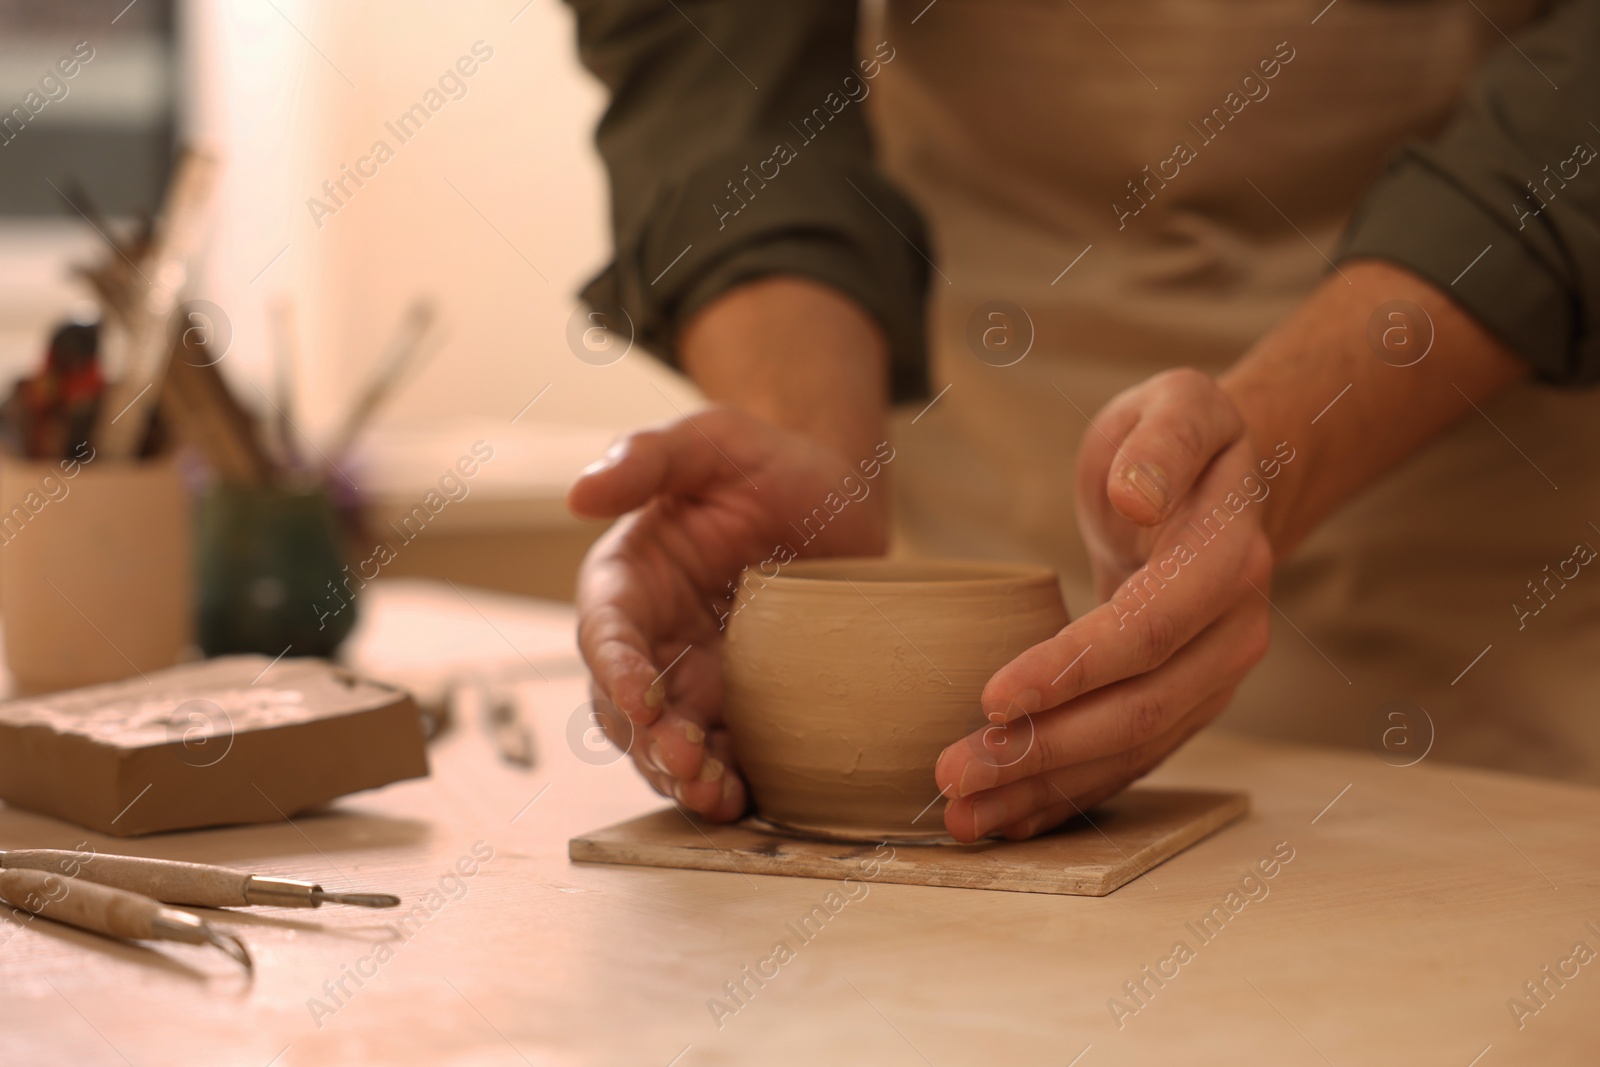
(1417, 904)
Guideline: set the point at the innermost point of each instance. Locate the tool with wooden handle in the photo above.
(113, 912)
(129, 401)
(195, 885)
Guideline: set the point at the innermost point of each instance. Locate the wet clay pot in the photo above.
(845, 679)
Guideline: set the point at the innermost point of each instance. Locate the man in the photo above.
(1113, 193)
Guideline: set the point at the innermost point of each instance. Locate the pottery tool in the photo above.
(112, 912)
(1090, 856)
(400, 357)
(498, 708)
(512, 738)
(114, 279)
(125, 415)
(285, 357)
(194, 885)
(238, 739)
(201, 412)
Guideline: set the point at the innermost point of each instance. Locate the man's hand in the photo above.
(805, 370)
(1163, 473)
(699, 500)
(1170, 504)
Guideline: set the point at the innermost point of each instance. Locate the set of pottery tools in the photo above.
(133, 897)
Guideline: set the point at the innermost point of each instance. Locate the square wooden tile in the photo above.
(1120, 840)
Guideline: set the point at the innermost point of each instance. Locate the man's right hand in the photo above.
(699, 499)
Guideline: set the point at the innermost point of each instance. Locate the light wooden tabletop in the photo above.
(1415, 906)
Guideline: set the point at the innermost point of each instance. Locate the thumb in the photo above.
(678, 459)
(1184, 421)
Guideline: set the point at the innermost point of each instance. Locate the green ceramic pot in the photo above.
(271, 573)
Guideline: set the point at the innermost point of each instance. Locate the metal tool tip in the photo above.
(233, 947)
(359, 900)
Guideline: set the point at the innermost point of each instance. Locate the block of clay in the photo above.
(238, 739)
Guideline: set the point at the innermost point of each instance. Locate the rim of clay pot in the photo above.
(877, 571)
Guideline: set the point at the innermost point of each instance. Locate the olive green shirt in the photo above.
(704, 196)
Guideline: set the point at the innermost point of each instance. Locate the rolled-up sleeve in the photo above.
(1502, 210)
(737, 147)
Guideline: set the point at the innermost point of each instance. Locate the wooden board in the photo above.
(1089, 856)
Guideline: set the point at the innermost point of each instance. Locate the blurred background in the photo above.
(492, 212)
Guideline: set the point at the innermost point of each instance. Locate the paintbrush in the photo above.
(285, 351)
(401, 356)
(198, 408)
(125, 413)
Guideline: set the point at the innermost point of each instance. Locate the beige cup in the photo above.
(96, 572)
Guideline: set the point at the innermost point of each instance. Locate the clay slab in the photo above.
(239, 739)
(1128, 836)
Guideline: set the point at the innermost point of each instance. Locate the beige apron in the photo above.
(1016, 124)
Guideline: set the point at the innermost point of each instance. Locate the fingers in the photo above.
(645, 628)
(1184, 419)
(717, 791)
(972, 817)
(619, 658)
(635, 609)
(1051, 817)
(678, 754)
(677, 459)
(711, 788)
(1154, 613)
(1117, 718)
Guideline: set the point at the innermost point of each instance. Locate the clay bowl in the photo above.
(844, 680)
